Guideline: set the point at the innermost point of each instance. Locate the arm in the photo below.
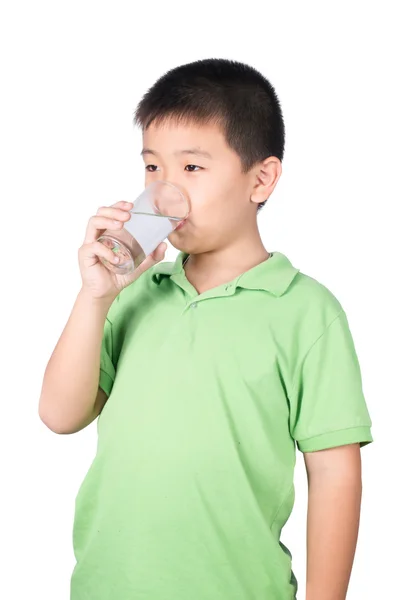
(70, 397)
(334, 499)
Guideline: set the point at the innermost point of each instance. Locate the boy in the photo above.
(206, 373)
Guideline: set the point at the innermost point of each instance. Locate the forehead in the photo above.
(171, 137)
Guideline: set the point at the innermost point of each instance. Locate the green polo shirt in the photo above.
(208, 396)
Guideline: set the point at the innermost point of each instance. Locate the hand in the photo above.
(97, 280)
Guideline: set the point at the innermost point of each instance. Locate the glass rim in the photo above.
(175, 187)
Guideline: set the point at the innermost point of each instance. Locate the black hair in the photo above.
(229, 93)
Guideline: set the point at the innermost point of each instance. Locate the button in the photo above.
(228, 287)
(194, 305)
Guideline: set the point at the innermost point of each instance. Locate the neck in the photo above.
(211, 269)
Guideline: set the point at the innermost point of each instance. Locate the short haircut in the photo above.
(231, 94)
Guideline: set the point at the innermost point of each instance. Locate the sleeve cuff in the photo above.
(106, 382)
(361, 435)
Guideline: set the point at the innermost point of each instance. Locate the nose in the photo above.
(182, 189)
(172, 198)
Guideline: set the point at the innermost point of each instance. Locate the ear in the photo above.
(267, 174)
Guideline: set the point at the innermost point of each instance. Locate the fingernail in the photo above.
(116, 259)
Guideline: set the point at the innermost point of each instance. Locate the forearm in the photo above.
(71, 378)
(332, 530)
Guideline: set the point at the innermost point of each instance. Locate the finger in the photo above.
(152, 259)
(98, 250)
(159, 253)
(122, 214)
(122, 204)
(97, 226)
(114, 213)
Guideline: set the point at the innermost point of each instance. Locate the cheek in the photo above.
(206, 209)
(214, 194)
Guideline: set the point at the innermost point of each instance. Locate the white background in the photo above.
(71, 75)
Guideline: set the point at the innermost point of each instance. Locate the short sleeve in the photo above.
(327, 404)
(108, 355)
(107, 367)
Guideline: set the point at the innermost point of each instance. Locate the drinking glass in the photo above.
(156, 213)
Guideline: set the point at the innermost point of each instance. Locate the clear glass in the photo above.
(156, 213)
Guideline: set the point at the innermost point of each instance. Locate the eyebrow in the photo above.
(191, 151)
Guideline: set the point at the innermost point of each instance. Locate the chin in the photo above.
(184, 242)
(189, 247)
(181, 243)
(181, 246)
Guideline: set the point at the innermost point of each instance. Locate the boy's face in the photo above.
(196, 158)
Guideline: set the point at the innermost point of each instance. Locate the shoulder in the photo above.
(312, 293)
(313, 307)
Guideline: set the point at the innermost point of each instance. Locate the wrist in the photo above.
(103, 303)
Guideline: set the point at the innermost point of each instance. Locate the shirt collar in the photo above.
(273, 275)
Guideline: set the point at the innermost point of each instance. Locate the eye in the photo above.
(151, 168)
(192, 168)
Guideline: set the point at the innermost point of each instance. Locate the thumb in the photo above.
(159, 253)
(153, 258)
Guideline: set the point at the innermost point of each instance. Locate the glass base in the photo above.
(126, 263)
